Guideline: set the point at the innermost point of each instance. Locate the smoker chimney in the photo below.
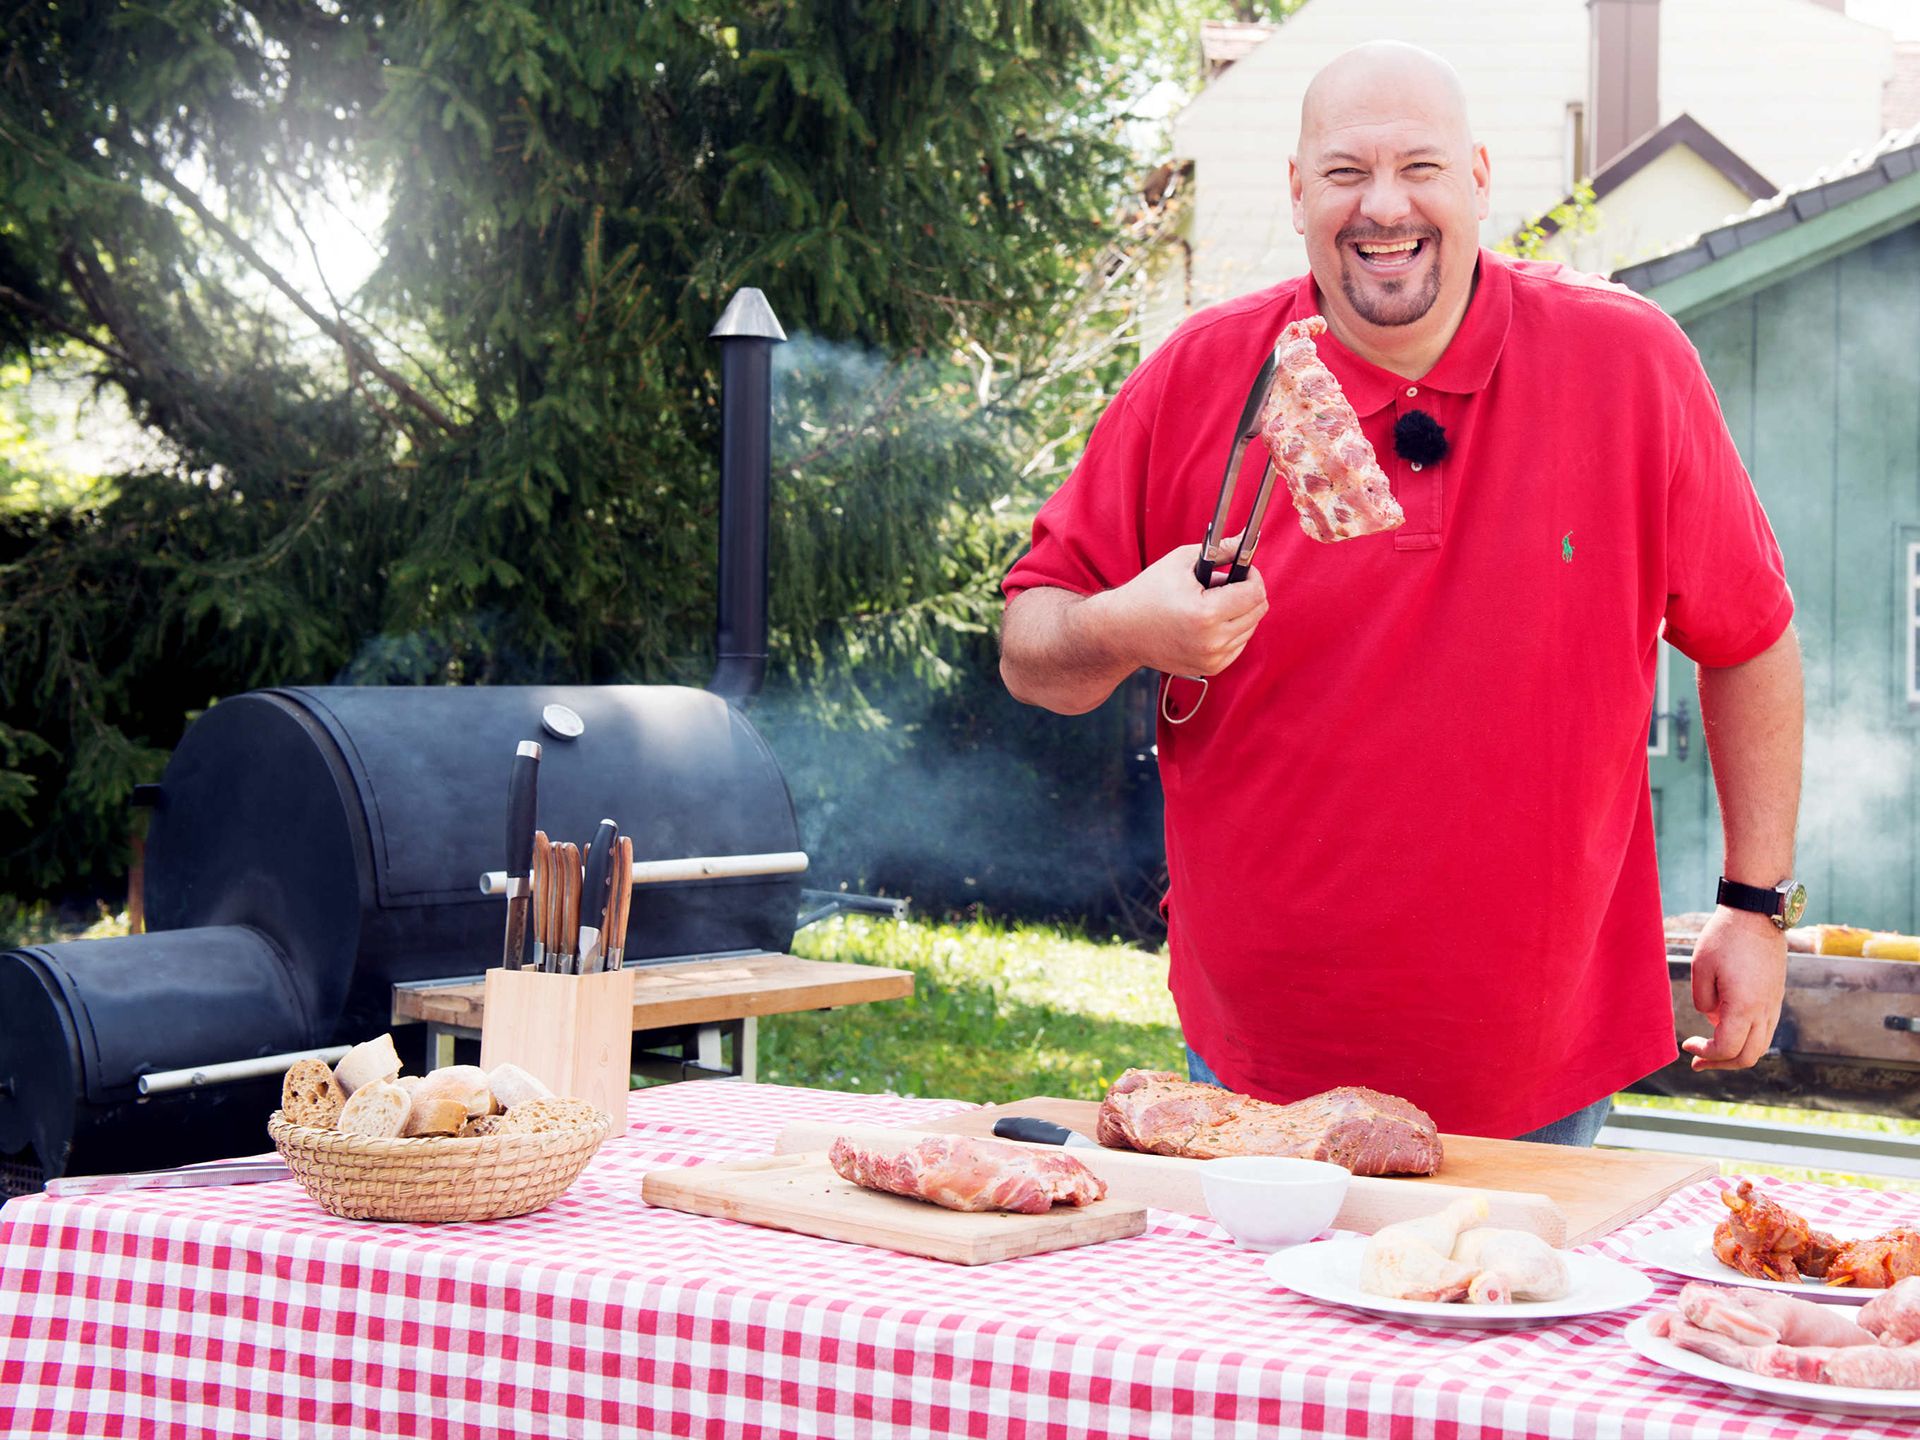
(1623, 76)
(747, 333)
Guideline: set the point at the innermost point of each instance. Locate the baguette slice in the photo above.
(513, 1086)
(537, 1117)
(482, 1125)
(378, 1109)
(372, 1060)
(464, 1083)
(311, 1096)
(434, 1117)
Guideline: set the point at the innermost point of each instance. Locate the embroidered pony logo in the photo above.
(1566, 547)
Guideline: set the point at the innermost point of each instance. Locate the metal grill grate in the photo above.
(20, 1177)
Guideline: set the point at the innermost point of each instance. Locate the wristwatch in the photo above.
(1783, 904)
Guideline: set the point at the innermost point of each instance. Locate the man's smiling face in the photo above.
(1389, 190)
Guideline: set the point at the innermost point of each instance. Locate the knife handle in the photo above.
(593, 893)
(1033, 1131)
(570, 902)
(523, 791)
(619, 903)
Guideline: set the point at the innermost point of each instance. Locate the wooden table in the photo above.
(706, 1000)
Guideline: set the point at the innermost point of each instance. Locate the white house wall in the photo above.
(1676, 192)
(1787, 84)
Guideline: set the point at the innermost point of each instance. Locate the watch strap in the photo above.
(1760, 899)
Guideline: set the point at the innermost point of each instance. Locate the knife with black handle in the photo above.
(1041, 1132)
(593, 897)
(523, 790)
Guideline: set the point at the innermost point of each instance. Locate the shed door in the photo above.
(1686, 818)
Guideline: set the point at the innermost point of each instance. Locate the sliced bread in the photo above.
(310, 1095)
(372, 1060)
(513, 1086)
(482, 1125)
(378, 1109)
(434, 1117)
(536, 1117)
(464, 1083)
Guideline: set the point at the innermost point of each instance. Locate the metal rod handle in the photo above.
(157, 1082)
(691, 867)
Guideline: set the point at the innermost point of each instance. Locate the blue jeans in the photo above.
(1579, 1128)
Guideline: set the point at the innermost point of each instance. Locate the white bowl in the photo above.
(1268, 1202)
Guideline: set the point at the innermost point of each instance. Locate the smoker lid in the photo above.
(430, 767)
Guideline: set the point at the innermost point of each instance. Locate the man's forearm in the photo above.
(1753, 716)
(1056, 653)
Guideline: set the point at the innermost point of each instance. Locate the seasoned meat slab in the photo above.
(1364, 1130)
(964, 1174)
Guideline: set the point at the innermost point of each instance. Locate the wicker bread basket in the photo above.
(441, 1177)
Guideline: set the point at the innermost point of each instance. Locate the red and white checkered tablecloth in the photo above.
(246, 1310)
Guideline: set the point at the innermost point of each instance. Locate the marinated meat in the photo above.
(1367, 1132)
(1769, 1242)
(964, 1174)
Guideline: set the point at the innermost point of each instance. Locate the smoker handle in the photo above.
(827, 903)
(692, 867)
(158, 1082)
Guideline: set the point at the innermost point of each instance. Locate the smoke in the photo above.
(1856, 832)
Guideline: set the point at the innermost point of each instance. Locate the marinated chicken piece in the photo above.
(965, 1174)
(1875, 1264)
(1895, 1316)
(1512, 1265)
(1768, 1241)
(1412, 1259)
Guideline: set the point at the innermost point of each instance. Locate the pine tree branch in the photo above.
(21, 303)
(358, 351)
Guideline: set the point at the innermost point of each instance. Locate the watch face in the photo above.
(1796, 906)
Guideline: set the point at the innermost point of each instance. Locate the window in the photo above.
(1574, 160)
(1910, 607)
(1660, 730)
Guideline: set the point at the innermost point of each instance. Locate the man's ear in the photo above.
(1294, 189)
(1482, 174)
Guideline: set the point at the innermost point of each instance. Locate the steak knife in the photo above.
(593, 896)
(231, 1172)
(522, 800)
(1042, 1132)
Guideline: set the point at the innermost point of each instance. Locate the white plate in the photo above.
(1804, 1394)
(1330, 1271)
(1690, 1253)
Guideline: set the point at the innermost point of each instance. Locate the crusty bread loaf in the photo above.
(378, 1109)
(434, 1117)
(464, 1083)
(513, 1086)
(310, 1095)
(482, 1125)
(409, 1083)
(536, 1117)
(372, 1060)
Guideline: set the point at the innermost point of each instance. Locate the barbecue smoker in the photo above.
(312, 847)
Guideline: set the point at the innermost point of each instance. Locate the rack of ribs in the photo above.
(965, 1174)
(1367, 1132)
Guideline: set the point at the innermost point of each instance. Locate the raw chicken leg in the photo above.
(1411, 1259)
(1895, 1316)
(1513, 1265)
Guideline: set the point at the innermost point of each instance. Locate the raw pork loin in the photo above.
(1367, 1132)
(964, 1174)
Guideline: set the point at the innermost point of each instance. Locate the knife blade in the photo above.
(1042, 1132)
(226, 1172)
(593, 895)
(523, 785)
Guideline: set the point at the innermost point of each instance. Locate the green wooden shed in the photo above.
(1806, 312)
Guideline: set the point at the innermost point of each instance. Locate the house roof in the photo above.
(1900, 101)
(1224, 41)
(1865, 196)
(1683, 129)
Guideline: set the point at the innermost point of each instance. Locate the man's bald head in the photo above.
(1358, 80)
(1389, 190)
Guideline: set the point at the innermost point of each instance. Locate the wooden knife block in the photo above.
(574, 1032)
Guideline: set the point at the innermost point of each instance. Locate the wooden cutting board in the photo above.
(1598, 1191)
(801, 1192)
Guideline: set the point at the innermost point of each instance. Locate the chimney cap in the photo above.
(748, 316)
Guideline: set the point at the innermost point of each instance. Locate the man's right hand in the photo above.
(1170, 623)
(1067, 652)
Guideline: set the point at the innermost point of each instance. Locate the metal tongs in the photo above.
(1213, 551)
(1213, 548)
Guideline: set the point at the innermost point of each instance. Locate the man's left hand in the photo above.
(1739, 980)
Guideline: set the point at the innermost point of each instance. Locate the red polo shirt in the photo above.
(1409, 836)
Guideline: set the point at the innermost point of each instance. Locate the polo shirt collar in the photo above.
(1465, 368)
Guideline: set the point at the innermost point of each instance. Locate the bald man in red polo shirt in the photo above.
(1409, 836)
